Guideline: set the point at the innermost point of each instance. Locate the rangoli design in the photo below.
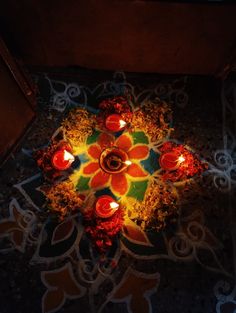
(108, 186)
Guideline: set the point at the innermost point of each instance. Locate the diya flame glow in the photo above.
(122, 123)
(105, 206)
(62, 159)
(181, 159)
(114, 205)
(128, 162)
(115, 123)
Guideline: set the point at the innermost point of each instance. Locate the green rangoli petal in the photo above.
(139, 137)
(93, 138)
(83, 183)
(137, 189)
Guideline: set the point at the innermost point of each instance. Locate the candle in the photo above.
(62, 159)
(105, 206)
(171, 161)
(115, 123)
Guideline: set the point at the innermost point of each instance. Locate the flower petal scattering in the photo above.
(80, 120)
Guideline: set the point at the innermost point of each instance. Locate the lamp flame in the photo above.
(122, 123)
(114, 205)
(181, 159)
(128, 162)
(68, 156)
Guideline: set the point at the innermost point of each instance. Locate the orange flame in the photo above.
(68, 156)
(114, 205)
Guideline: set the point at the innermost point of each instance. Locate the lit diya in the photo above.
(114, 160)
(105, 206)
(171, 161)
(115, 123)
(62, 159)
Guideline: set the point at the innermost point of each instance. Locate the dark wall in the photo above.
(17, 102)
(141, 36)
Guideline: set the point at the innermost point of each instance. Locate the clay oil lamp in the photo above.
(114, 160)
(105, 206)
(115, 123)
(62, 159)
(171, 161)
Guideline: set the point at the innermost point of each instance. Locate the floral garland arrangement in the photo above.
(63, 199)
(78, 126)
(154, 119)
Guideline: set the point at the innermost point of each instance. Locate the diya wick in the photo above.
(105, 206)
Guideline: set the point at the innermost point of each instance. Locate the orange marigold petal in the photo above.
(119, 183)
(94, 151)
(138, 152)
(124, 142)
(99, 179)
(105, 140)
(136, 171)
(91, 168)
